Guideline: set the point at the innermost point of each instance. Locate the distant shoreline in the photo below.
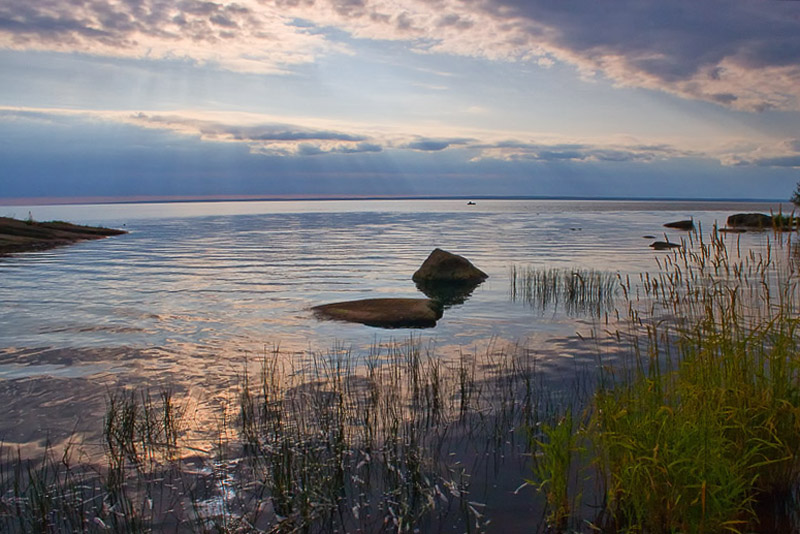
(53, 201)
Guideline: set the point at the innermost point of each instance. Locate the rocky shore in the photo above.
(30, 235)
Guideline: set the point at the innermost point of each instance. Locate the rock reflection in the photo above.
(449, 294)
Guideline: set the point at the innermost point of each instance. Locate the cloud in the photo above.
(434, 145)
(263, 136)
(785, 153)
(735, 53)
(513, 150)
(297, 137)
(246, 35)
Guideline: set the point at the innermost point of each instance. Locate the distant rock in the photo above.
(681, 225)
(750, 220)
(384, 312)
(443, 266)
(648, 237)
(731, 230)
(664, 245)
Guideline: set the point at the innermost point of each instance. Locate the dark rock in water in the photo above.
(448, 293)
(681, 225)
(443, 266)
(750, 220)
(732, 230)
(385, 313)
(648, 237)
(664, 245)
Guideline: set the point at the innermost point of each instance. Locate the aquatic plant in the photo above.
(580, 291)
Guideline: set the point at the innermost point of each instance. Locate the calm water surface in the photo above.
(195, 290)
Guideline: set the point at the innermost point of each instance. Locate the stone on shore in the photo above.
(681, 225)
(384, 312)
(443, 266)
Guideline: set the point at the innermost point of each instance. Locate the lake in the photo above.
(198, 295)
(195, 291)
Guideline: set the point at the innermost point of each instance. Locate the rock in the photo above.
(732, 230)
(681, 225)
(664, 245)
(750, 220)
(385, 312)
(648, 237)
(443, 266)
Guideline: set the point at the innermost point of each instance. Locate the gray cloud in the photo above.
(434, 145)
(512, 150)
(735, 53)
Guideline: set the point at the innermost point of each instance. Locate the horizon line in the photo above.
(166, 199)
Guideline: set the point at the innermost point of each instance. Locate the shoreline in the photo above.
(30, 236)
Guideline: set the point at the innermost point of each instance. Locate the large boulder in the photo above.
(750, 220)
(443, 266)
(385, 313)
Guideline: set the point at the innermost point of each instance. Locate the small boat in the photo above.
(470, 203)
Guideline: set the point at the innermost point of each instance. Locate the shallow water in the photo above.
(195, 290)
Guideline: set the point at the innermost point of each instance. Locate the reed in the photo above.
(353, 443)
(388, 440)
(579, 291)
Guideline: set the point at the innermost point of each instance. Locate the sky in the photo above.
(146, 99)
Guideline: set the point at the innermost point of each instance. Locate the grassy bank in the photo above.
(700, 432)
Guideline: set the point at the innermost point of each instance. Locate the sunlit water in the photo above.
(196, 290)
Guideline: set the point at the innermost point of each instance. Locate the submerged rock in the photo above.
(443, 266)
(664, 245)
(750, 220)
(681, 225)
(384, 312)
